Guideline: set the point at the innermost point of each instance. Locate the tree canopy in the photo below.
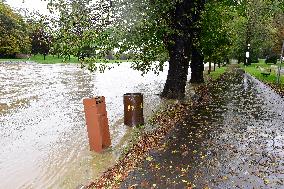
(181, 32)
(157, 31)
(14, 32)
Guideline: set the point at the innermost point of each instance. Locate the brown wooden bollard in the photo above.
(133, 109)
(97, 123)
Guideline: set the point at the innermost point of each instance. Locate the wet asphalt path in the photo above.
(237, 141)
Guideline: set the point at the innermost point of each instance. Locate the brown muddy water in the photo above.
(43, 139)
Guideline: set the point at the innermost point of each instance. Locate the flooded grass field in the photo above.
(43, 141)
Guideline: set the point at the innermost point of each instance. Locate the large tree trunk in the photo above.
(197, 66)
(179, 45)
(178, 70)
(185, 24)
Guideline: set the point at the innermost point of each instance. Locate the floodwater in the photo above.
(43, 141)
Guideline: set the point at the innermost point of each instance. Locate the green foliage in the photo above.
(91, 29)
(81, 29)
(216, 31)
(14, 36)
(143, 28)
(229, 26)
(41, 42)
(252, 24)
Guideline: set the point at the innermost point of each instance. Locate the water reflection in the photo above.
(42, 127)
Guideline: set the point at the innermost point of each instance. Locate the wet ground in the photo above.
(237, 141)
(43, 139)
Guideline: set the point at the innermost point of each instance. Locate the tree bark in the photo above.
(178, 71)
(185, 23)
(179, 48)
(197, 66)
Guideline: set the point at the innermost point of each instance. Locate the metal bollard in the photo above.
(97, 123)
(133, 109)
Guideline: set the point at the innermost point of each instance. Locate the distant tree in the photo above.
(41, 42)
(279, 25)
(215, 32)
(14, 34)
(253, 24)
(78, 28)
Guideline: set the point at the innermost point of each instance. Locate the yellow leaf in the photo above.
(266, 181)
(149, 158)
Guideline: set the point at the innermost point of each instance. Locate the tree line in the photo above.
(185, 33)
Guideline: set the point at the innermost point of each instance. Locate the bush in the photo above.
(271, 59)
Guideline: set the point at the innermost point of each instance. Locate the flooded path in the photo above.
(237, 141)
(43, 139)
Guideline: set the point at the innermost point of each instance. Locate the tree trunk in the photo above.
(214, 67)
(44, 57)
(227, 61)
(197, 66)
(178, 70)
(209, 69)
(197, 58)
(180, 50)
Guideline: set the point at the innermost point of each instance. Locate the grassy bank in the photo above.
(256, 70)
(50, 59)
(214, 74)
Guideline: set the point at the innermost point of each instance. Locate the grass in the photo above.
(254, 70)
(215, 74)
(50, 59)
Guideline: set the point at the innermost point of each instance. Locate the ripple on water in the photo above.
(42, 126)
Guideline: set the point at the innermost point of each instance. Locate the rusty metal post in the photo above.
(97, 123)
(133, 109)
